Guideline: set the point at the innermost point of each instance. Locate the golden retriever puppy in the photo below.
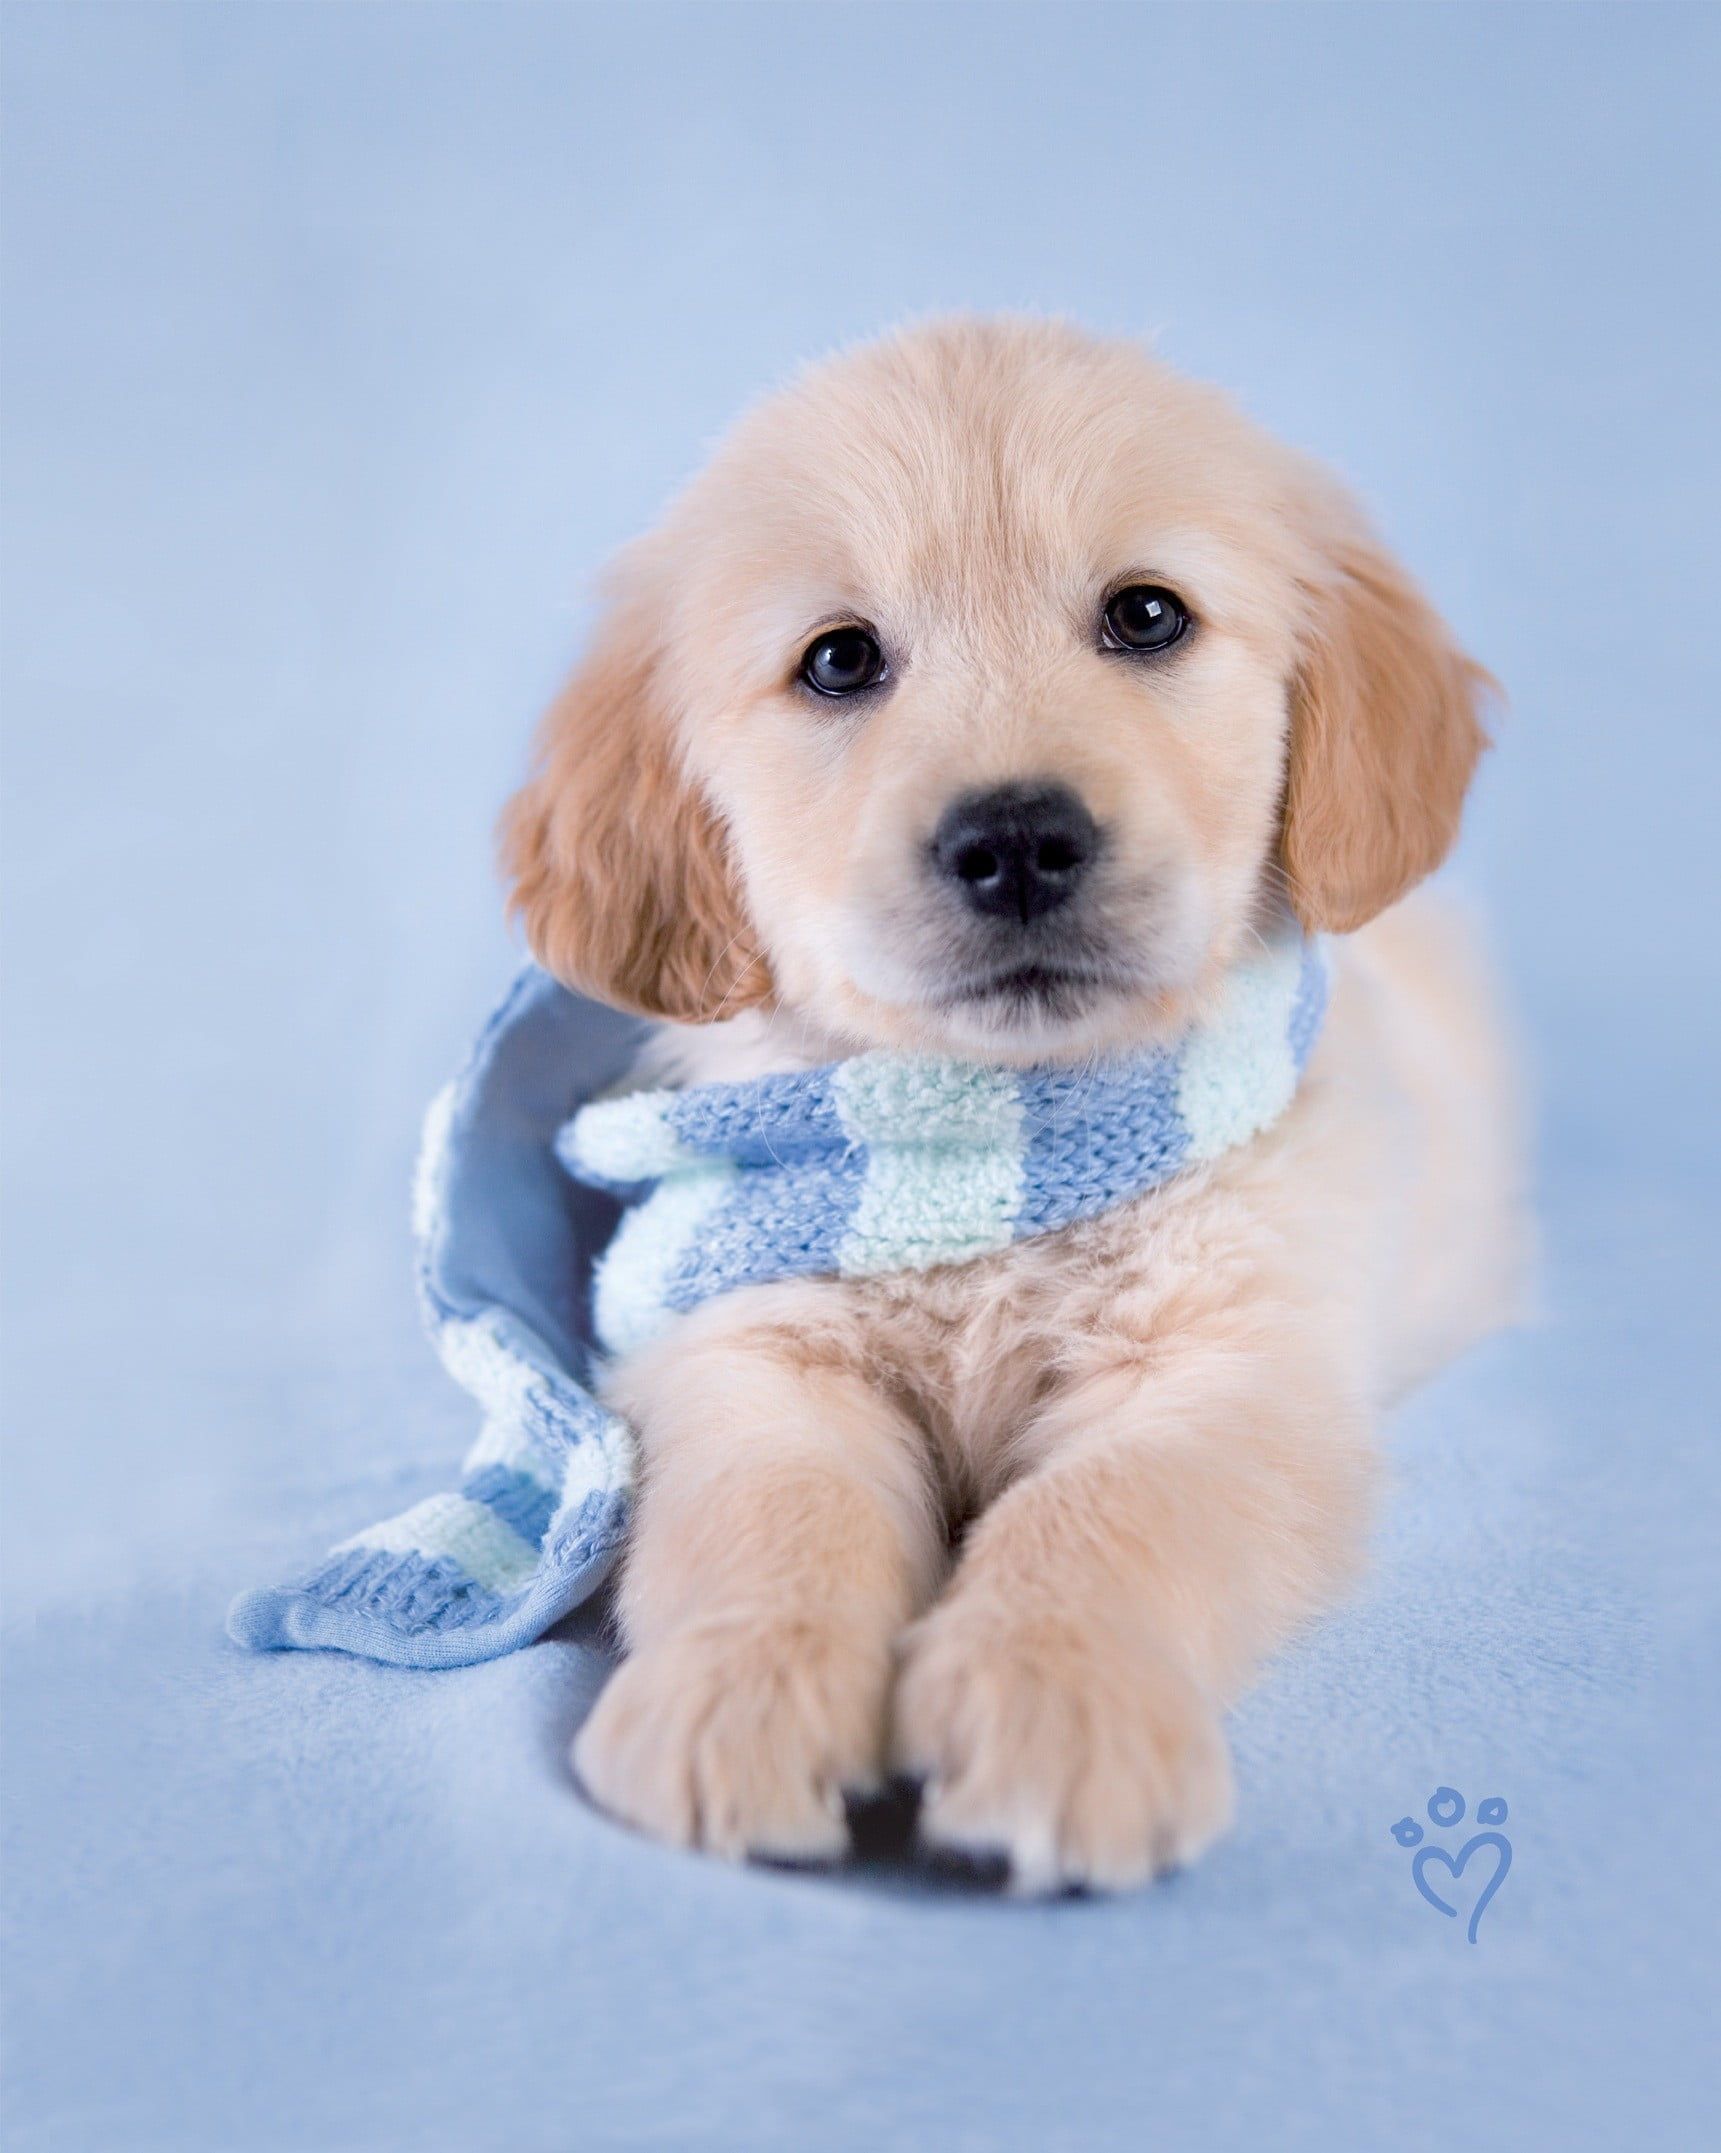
(993, 606)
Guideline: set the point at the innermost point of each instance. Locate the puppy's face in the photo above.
(984, 696)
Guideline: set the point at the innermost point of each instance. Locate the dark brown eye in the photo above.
(842, 662)
(1143, 616)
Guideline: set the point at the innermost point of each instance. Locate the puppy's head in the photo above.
(984, 695)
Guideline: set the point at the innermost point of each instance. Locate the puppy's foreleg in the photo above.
(1180, 1512)
(786, 1532)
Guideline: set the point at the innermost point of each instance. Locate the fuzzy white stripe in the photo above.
(933, 1201)
(1238, 1073)
(627, 1139)
(628, 1305)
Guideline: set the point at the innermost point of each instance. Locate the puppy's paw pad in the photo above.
(965, 1868)
(882, 1820)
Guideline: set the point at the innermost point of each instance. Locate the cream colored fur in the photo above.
(1157, 1428)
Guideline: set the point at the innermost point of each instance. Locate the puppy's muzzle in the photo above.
(1016, 852)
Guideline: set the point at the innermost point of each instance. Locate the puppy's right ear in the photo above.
(618, 864)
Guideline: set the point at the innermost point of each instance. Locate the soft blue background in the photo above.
(341, 344)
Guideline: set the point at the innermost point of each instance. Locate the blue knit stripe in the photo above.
(403, 1590)
(789, 1224)
(517, 1499)
(1310, 1006)
(1097, 1138)
(589, 1531)
(772, 1121)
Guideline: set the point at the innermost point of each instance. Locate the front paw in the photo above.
(739, 1739)
(1077, 1755)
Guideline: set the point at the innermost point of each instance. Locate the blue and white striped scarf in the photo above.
(882, 1163)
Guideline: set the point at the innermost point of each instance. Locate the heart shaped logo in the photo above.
(1455, 1864)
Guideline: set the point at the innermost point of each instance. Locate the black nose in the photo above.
(1018, 851)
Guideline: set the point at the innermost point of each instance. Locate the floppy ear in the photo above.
(1384, 737)
(618, 864)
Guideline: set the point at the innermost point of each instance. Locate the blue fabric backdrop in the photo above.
(341, 344)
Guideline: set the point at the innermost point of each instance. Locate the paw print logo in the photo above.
(1489, 1846)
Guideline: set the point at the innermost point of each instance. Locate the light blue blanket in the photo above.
(341, 343)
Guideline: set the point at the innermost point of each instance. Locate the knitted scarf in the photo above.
(879, 1164)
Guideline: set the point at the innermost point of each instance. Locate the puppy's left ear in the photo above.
(1385, 732)
(617, 861)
